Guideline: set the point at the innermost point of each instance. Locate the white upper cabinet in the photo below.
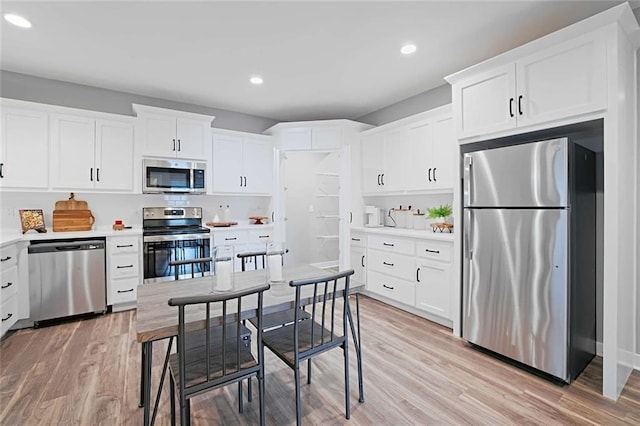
(321, 135)
(91, 154)
(242, 164)
(72, 152)
(565, 80)
(173, 134)
(412, 154)
(114, 155)
(372, 162)
(24, 153)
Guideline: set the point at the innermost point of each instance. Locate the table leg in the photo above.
(142, 370)
(357, 342)
(148, 352)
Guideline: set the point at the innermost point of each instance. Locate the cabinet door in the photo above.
(486, 103)
(565, 80)
(372, 162)
(325, 138)
(258, 166)
(396, 154)
(443, 154)
(433, 288)
(358, 264)
(295, 139)
(161, 136)
(192, 138)
(72, 146)
(227, 164)
(114, 155)
(421, 157)
(24, 149)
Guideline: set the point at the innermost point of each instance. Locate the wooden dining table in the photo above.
(156, 320)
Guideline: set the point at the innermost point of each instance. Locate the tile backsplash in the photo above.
(126, 207)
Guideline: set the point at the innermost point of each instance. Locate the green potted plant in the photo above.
(441, 212)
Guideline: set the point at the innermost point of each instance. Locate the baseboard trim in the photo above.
(636, 361)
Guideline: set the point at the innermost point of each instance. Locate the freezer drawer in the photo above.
(528, 175)
(515, 285)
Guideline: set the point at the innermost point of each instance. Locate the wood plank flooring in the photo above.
(87, 373)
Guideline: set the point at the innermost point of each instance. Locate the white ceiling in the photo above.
(319, 60)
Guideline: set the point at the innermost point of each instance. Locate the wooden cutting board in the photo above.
(72, 220)
(71, 204)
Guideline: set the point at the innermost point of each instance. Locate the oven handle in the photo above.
(179, 237)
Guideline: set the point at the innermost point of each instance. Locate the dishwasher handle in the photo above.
(58, 246)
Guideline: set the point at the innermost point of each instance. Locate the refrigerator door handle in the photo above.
(468, 252)
(468, 175)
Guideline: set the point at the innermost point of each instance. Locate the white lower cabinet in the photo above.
(414, 272)
(358, 257)
(243, 241)
(8, 288)
(123, 270)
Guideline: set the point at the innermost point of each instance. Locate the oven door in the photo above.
(159, 250)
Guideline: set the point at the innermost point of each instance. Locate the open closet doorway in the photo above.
(312, 207)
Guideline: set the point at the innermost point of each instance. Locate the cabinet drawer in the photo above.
(397, 265)
(358, 240)
(123, 291)
(231, 238)
(8, 313)
(123, 245)
(125, 265)
(8, 256)
(393, 288)
(259, 236)
(437, 250)
(392, 244)
(9, 281)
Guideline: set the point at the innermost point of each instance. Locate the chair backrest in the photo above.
(218, 351)
(326, 291)
(203, 264)
(257, 258)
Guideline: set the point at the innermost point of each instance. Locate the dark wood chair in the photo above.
(256, 260)
(303, 340)
(191, 265)
(216, 356)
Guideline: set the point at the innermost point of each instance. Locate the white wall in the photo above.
(127, 207)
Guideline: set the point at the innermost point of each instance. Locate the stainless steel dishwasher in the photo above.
(66, 277)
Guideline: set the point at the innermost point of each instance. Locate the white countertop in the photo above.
(426, 234)
(241, 226)
(12, 237)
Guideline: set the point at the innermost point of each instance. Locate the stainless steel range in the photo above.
(173, 233)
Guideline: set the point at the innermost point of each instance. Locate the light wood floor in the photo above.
(87, 373)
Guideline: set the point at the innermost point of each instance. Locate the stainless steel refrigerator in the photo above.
(529, 254)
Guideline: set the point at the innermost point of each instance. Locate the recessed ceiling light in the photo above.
(17, 20)
(257, 80)
(408, 49)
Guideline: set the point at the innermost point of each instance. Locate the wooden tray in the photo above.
(221, 224)
(72, 204)
(72, 220)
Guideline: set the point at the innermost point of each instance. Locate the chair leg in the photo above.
(346, 380)
(185, 412)
(309, 371)
(240, 398)
(298, 402)
(261, 395)
(249, 390)
(172, 396)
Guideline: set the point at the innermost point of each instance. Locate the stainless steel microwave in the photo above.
(173, 176)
